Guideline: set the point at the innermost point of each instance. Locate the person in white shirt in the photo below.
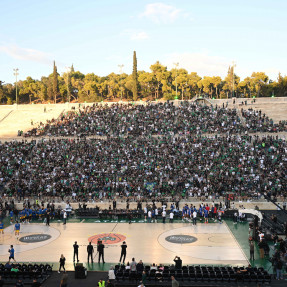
(65, 217)
(133, 265)
(145, 213)
(171, 215)
(111, 274)
(163, 214)
(149, 216)
(156, 214)
(194, 217)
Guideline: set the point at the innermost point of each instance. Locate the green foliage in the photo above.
(231, 82)
(158, 83)
(135, 78)
(55, 83)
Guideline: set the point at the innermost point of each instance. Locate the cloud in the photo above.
(201, 62)
(139, 36)
(135, 35)
(27, 54)
(161, 13)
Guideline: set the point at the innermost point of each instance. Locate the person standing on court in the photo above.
(194, 217)
(163, 215)
(90, 250)
(1, 227)
(76, 251)
(65, 217)
(48, 218)
(100, 249)
(17, 229)
(11, 253)
(171, 215)
(123, 252)
(62, 263)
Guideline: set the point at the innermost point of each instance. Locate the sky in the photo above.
(97, 36)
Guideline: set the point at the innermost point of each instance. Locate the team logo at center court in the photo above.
(180, 239)
(107, 238)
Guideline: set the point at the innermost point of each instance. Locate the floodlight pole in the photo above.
(16, 74)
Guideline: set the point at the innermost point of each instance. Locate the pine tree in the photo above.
(55, 83)
(50, 93)
(72, 69)
(135, 78)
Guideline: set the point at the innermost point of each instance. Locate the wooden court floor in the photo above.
(151, 242)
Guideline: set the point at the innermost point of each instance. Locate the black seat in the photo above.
(192, 276)
(119, 275)
(199, 276)
(178, 274)
(132, 275)
(165, 275)
(158, 277)
(152, 275)
(219, 276)
(225, 277)
(185, 275)
(126, 274)
(252, 278)
(212, 276)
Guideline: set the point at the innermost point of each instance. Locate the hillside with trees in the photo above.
(158, 83)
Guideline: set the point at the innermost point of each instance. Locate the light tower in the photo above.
(16, 74)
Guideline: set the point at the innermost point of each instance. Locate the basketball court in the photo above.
(151, 242)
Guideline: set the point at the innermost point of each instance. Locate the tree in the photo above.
(55, 83)
(205, 85)
(1, 92)
(135, 78)
(231, 82)
(159, 75)
(180, 77)
(245, 87)
(30, 89)
(192, 82)
(77, 84)
(156, 84)
(258, 79)
(215, 82)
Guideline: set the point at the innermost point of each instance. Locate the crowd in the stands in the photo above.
(256, 121)
(156, 119)
(152, 167)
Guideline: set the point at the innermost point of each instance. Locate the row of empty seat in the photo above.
(26, 272)
(197, 274)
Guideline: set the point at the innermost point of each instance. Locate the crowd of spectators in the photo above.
(256, 121)
(157, 166)
(155, 119)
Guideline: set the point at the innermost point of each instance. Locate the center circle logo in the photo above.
(181, 239)
(35, 238)
(107, 238)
